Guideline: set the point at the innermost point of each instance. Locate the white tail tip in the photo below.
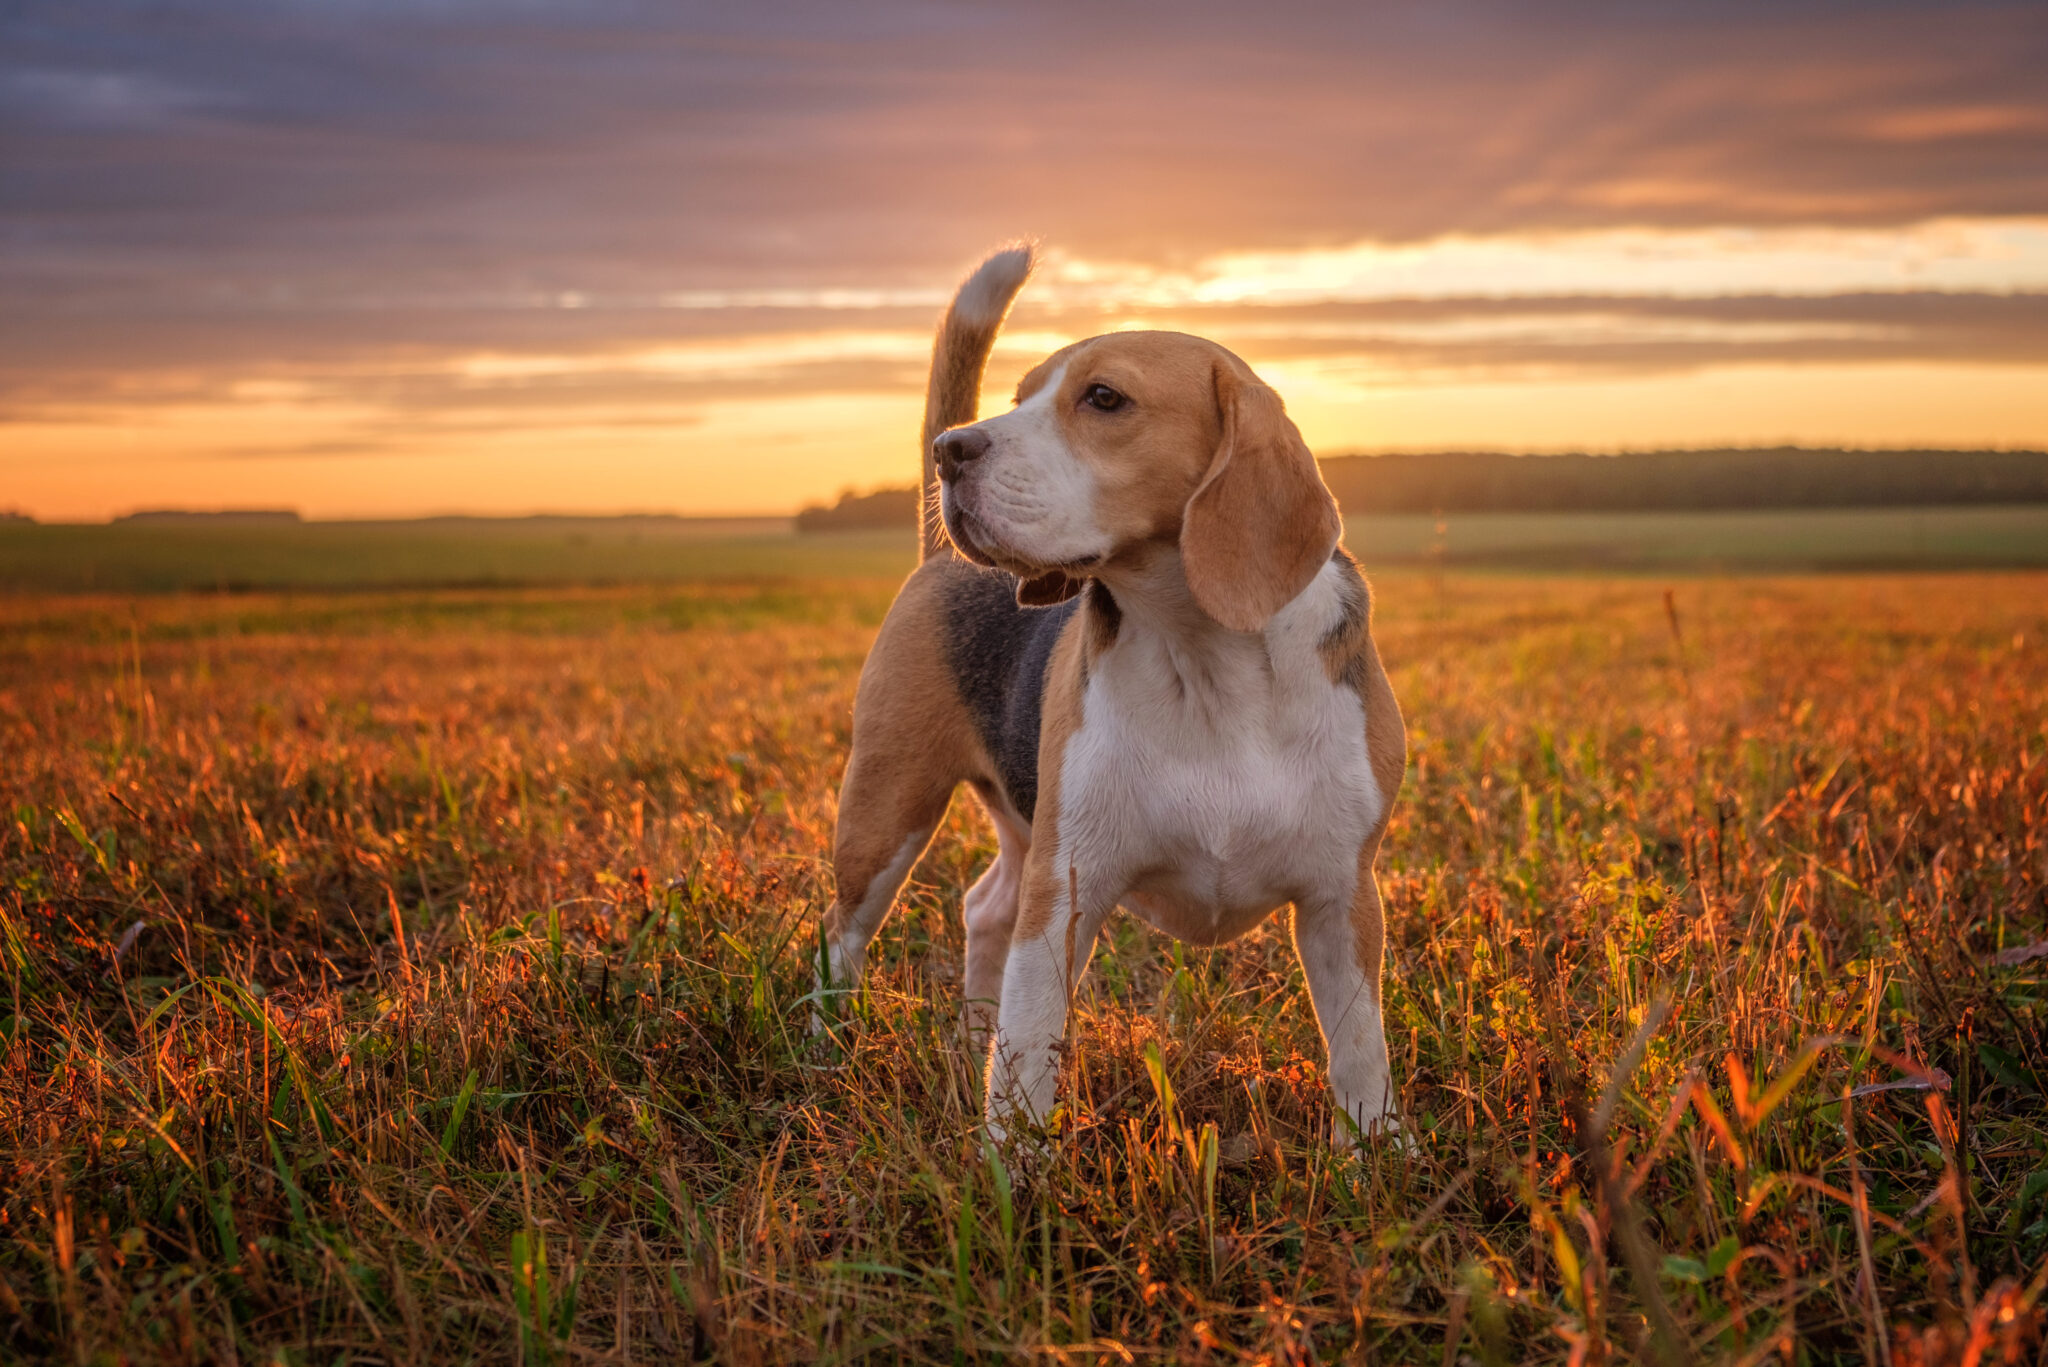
(985, 295)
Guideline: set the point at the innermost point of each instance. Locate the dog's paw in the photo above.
(977, 1029)
(831, 1015)
(1395, 1139)
(1381, 1135)
(1024, 1151)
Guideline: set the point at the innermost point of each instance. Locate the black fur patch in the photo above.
(1349, 630)
(1105, 618)
(998, 651)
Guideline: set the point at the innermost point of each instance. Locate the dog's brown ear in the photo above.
(1043, 590)
(1261, 523)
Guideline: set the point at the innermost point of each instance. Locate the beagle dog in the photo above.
(1140, 643)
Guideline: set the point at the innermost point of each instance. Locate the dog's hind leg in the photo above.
(886, 818)
(990, 911)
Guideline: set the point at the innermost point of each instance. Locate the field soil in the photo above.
(424, 977)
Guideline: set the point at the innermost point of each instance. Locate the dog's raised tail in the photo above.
(966, 336)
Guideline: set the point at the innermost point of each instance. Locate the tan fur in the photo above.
(959, 357)
(1045, 887)
(892, 790)
(1352, 659)
(1200, 468)
(1261, 524)
(1151, 460)
(1386, 736)
(1386, 742)
(1206, 457)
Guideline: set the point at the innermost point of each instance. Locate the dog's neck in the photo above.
(1158, 616)
(1151, 590)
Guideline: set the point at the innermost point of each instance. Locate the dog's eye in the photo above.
(1102, 398)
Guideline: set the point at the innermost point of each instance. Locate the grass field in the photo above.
(456, 552)
(468, 552)
(420, 977)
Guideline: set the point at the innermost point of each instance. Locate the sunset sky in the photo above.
(385, 257)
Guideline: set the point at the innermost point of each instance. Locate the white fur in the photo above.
(1038, 991)
(1215, 776)
(847, 955)
(1347, 1006)
(984, 297)
(1218, 774)
(1029, 501)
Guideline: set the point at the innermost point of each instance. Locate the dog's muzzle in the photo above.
(953, 450)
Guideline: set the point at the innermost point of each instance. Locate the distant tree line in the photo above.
(1780, 477)
(215, 517)
(1646, 481)
(862, 512)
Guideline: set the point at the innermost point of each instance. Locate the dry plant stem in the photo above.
(1860, 1206)
(1667, 1342)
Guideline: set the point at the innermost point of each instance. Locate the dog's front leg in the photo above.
(1056, 927)
(1341, 940)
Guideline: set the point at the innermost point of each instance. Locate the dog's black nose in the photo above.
(955, 448)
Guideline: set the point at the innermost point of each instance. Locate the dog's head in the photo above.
(1130, 440)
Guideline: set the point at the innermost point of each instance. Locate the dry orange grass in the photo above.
(421, 978)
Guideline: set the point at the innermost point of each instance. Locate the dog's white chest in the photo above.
(1210, 796)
